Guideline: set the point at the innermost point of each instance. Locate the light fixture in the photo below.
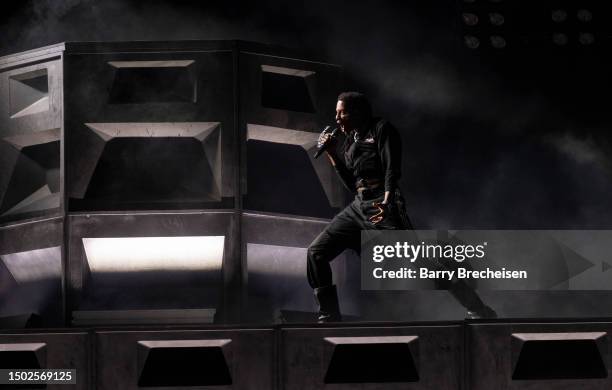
(584, 15)
(137, 254)
(470, 19)
(586, 38)
(496, 18)
(497, 41)
(559, 39)
(471, 41)
(559, 15)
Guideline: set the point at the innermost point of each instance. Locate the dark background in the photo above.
(493, 138)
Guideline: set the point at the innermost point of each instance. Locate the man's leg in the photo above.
(343, 232)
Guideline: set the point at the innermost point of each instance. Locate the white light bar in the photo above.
(137, 254)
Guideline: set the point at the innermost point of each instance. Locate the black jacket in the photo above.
(374, 154)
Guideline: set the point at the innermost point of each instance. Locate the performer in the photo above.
(370, 169)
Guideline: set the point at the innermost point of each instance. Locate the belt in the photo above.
(367, 184)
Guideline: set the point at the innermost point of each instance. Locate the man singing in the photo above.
(370, 169)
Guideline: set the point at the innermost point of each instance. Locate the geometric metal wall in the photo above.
(30, 133)
(288, 103)
(185, 157)
(152, 130)
(31, 271)
(165, 143)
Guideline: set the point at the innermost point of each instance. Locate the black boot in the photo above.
(327, 299)
(468, 297)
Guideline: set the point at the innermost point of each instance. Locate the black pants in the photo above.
(344, 232)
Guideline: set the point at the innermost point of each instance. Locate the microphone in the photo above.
(324, 147)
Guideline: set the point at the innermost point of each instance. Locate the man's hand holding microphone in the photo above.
(326, 140)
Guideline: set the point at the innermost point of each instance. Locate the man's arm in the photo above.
(390, 149)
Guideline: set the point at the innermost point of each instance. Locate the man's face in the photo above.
(345, 120)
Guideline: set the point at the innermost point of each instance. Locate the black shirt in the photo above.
(374, 154)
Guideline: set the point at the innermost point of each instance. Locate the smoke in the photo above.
(48, 9)
(484, 144)
(581, 151)
(40, 23)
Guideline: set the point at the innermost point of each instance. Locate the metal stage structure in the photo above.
(442, 355)
(157, 200)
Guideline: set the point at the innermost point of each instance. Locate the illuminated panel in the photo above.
(134, 254)
(35, 265)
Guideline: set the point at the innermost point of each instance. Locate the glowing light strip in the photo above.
(137, 254)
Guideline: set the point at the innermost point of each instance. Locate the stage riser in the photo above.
(58, 350)
(496, 356)
(307, 357)
(445, 356)
(249, 357)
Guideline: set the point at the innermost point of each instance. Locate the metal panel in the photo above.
(284, 104)
(250, 359)
(31, 270)
(61, 351)
(184, 279)
(494, 353)
(438, 358)
(30, 139)
(149, 102)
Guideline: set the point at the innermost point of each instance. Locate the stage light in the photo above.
(584, 15)
(559, 39)
(586, 38)
(497, 41)
(559, 15)
(136, 254)
(496, 19)
(470, 19)
(471, 41)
